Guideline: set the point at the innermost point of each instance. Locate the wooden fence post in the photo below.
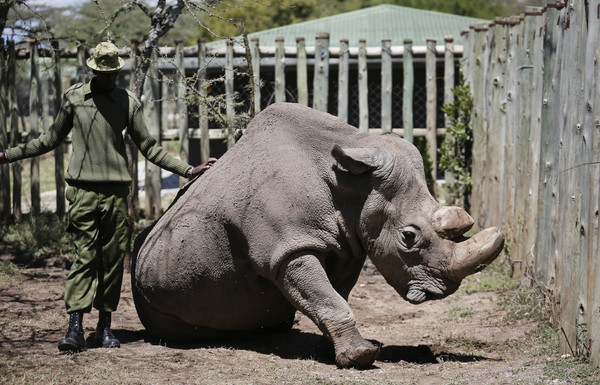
(14, 127)
(59, 152)
(343, 75)
(184, 145)
(592, 123)
(229, 90)
(279, 70)
(386, 86)
(255, 51)
(449, 80)
(152, 115)
(131, 148)
(431, 85)
(321, 76)
(408, 86)
(363, 87)
(496, 107)
(5, 168)
(546, 242)
(301, 71)
(478, 69)
(34, 117)
(81, 66)
(203, 92)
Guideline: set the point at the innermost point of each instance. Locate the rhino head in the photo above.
(416, 244)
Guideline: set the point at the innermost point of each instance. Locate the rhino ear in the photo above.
(356, 160)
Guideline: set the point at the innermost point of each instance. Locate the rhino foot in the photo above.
(359, 355)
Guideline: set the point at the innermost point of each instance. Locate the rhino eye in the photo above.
(410, 236)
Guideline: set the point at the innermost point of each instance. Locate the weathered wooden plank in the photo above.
(301, 71)
(255, 51)
(279, 70)
(363, 87)
(535, 136)
(513, 118)
(321, 74)
(431, 104)
(152, 116)
(229, 90)
(546, 238)
(343, 76)
(386, 86)
(14, 128)
(522, 197)
(408, 84)
(184, 149)
(496, 108)
(59, 152)
(449, 80)
(5, 168)
(569, 197)
(203, 92)
(478, 68)
(34, 121)
(588, 302)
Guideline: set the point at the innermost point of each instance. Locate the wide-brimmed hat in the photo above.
(105, 58)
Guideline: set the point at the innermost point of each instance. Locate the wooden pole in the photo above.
(449, 80)
(59, 152)
(5, 168)
(152, 116)
(478, 69)
(408, 90)
(430, 69)
(386, 86)
(363, 87)
(203, 91)
(81, 66)
(255, 50)
(343, 75)
(34, 118)
(130, 147)
(279, 70)
(321, 78)
(229, 90)
(301, 71)
(184, 145)
(14, 127)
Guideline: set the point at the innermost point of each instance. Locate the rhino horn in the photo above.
(451, 222)
(475, 253)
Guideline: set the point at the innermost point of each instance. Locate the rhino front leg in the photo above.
(304, 282)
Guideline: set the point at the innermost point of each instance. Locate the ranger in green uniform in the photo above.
(97, 114)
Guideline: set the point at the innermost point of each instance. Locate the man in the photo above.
(97, 113)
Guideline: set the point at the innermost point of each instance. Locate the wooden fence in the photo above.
(536, 87)
(231, 61)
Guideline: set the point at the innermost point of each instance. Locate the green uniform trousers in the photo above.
(98, 219)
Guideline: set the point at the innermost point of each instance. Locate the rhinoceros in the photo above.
(284, 221)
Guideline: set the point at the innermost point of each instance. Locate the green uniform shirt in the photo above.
(98, 122)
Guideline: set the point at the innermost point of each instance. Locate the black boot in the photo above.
(74, 341)
(104, 335)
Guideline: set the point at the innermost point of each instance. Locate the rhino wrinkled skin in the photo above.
(284, 222)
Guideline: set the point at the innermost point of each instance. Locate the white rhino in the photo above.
(284, 222)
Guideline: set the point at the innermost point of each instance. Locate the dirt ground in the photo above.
(463, 339)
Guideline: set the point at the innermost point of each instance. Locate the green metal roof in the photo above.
(373, 24)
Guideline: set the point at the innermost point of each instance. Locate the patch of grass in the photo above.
(495, 277)
(572, 369)
(545, 338)
(8, 271)
(38, 237)
(458, 312)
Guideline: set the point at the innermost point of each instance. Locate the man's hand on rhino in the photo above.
(199, 170)
(3, 158)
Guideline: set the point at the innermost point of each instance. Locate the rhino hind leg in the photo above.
(304, 282)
